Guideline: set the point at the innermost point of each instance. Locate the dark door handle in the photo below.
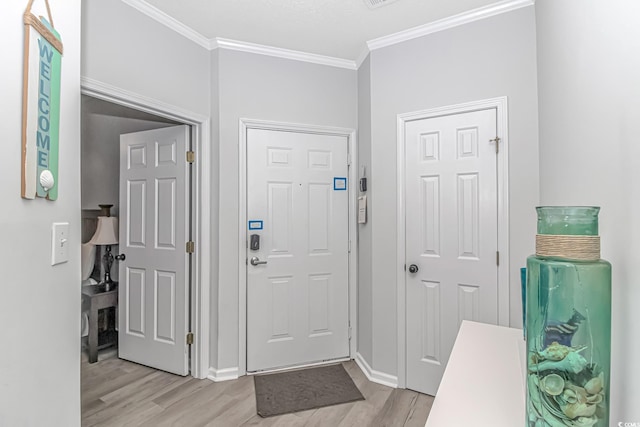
(413, 268)
(121, 257)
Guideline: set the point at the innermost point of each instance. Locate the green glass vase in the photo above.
(568, 322)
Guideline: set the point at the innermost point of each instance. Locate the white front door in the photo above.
(297, 203)
(154, 287)
(451, 236)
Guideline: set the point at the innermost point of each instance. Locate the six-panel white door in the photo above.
(153, 288)
(298, 302)
(451, 236)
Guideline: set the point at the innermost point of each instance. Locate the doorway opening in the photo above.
(134, 112)
(102, 123)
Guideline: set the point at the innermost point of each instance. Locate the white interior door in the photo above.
(451, 236)
(154, 288)
(298, 300)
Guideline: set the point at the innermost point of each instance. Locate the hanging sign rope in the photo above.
(40, 105)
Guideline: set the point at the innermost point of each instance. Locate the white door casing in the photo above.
(154, 288)
(451, 214)
(298, 302)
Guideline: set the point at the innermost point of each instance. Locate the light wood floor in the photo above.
(120, 393)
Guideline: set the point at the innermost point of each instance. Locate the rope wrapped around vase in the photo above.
(580, 248)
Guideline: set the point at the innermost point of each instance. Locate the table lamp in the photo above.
(106, 235)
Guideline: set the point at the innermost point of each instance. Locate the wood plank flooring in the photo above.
(120, 393)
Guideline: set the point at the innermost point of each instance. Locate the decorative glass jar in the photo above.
(568, 322)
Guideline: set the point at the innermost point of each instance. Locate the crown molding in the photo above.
(450, 22)
(498, 8)
(211, 44)
(285, 53)
(169, 22)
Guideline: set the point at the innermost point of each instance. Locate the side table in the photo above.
(94, 298)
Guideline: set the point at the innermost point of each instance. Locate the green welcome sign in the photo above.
(40, 106)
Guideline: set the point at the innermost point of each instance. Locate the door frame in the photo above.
(500, 104)
(352, 160)
(201, 211)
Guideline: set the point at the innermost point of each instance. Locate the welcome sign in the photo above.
(40, 106)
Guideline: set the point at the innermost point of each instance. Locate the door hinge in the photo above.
(189, 338)
(191, 156)
(349, 159)
(191, 247)
(497, 141)
(498, 258)
(349, 332)
(349, 246)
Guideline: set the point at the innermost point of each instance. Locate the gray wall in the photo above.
(39, 303)
(215, 206)
(262, 87)
(124, 48)
(127, 49)
(365, 302)
(589, 101)
(485, 59)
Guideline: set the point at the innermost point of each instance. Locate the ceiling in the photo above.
(335, 28)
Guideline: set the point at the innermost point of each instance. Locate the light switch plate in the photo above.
(59, 242)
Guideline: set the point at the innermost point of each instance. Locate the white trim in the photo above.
(226, 374)
(107, 92)
(285, 53)
(450, 22)
(170, 22)
(350, 134)
(222, 43)
(500, 104)
(202, 141)
(375, 376)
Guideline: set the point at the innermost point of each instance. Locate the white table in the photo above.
(483, 384)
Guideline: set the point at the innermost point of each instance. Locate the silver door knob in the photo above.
(256, 261)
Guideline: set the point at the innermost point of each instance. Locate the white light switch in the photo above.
(59, 242)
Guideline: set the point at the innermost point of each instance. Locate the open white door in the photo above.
(154, 288)
(451, 236)
(298, 272)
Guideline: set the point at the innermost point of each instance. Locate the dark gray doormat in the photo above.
(293, 391)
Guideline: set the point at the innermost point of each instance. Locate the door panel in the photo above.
(297, 303)
(154, 287)
(451, 236)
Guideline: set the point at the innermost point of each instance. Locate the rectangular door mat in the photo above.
(293, 391)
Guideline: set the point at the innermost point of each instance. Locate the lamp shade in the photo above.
(106, 232)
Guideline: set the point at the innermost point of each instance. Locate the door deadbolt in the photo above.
(413, 268)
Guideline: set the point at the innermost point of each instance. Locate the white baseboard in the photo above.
(219, 375)
(376, 376)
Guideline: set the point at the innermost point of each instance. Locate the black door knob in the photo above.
(121, 257)
(413, 268)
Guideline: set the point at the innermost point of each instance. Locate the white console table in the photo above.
(483, 384)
